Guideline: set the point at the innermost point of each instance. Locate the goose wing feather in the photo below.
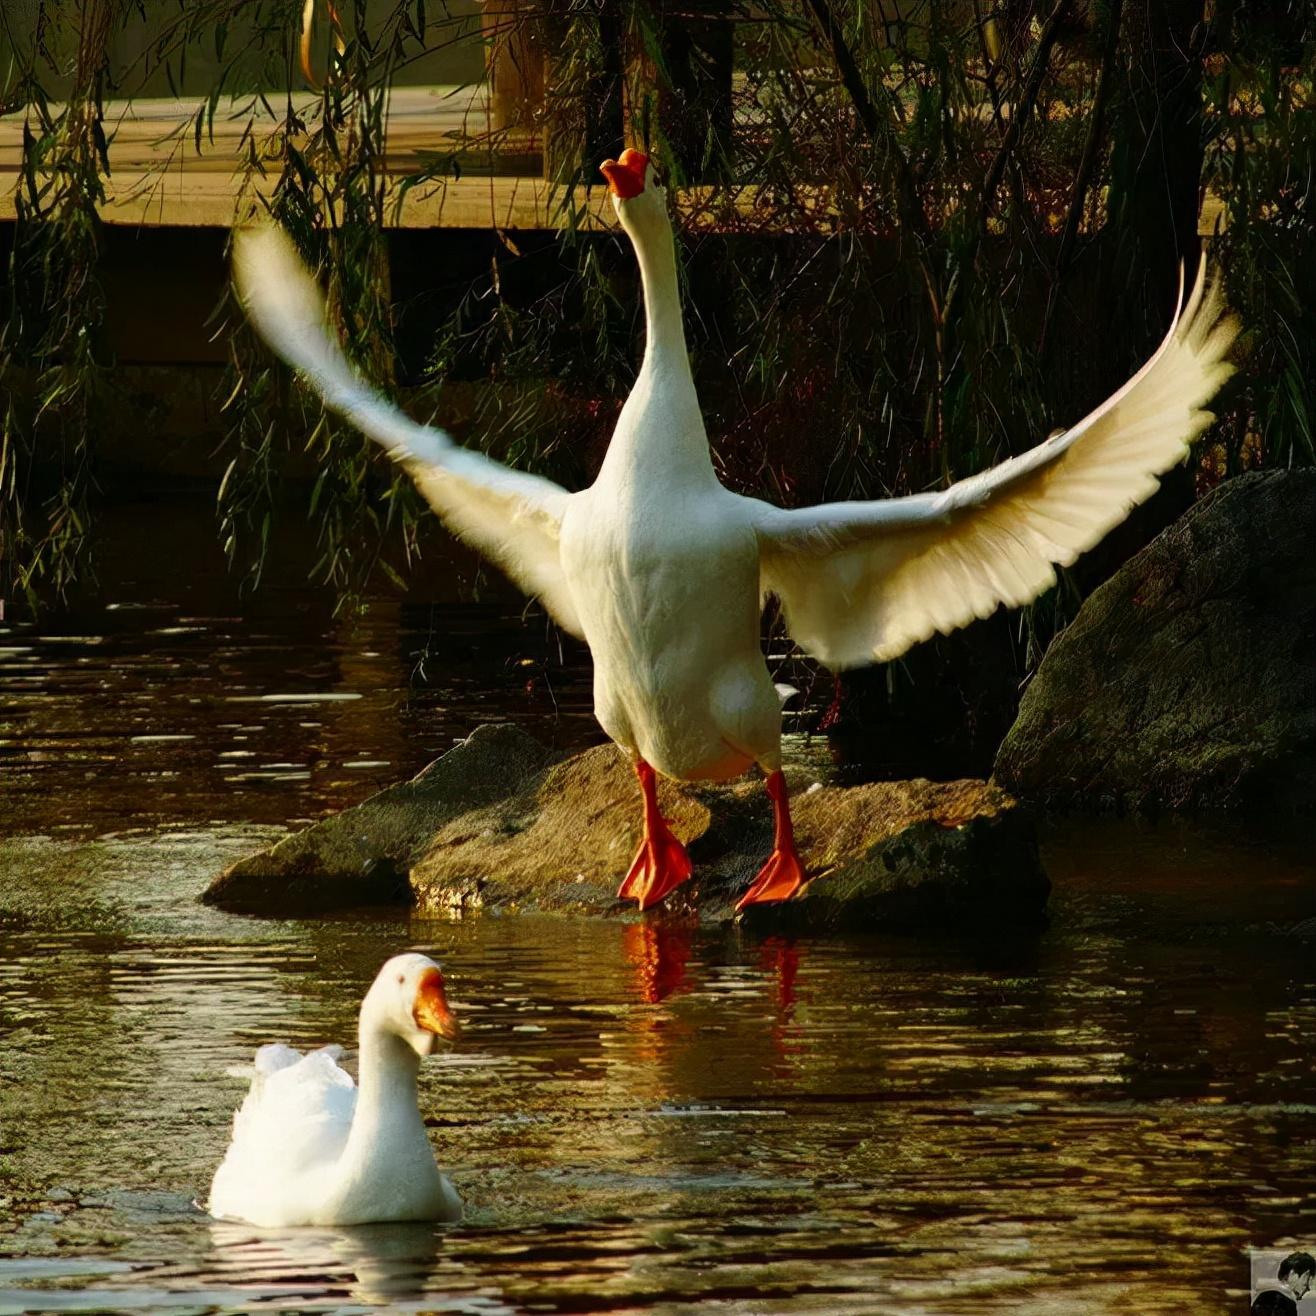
(294, 1120)
(512, 518)
(862, 582)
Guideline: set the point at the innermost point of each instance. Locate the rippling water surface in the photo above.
(1100, 1117)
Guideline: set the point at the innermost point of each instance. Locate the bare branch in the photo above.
(1024, 109)
(1092, 144)
(879, 130)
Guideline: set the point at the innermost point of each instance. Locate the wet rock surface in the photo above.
(362, 856)
(501, 822)
(1188, 680)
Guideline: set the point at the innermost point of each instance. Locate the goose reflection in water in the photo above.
(378, 1264)
(659, 954)
(781, 956)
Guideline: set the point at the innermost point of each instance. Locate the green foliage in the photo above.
(1261, 158)
(903, 267)
(50, 354)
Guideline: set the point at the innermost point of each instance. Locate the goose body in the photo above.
(663, 566)
(662, 570)
(686, 689)
(311, 1148)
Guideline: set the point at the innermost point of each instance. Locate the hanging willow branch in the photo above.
(832, 361)
(50, 343)
(1092, 143)
(1023, 108)
(878, 129)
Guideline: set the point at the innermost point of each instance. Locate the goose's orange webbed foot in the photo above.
(779, 879)
(783, 875)
(661, 864)
(659, 868)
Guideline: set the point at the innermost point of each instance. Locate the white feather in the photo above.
(294, 1121)
(513, 518)
(865, 581)
(309, 1147)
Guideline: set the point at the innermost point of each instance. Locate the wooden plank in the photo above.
(148, 133)
(160, 178)
(186, 197)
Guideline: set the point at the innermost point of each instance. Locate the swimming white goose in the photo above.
(663, 571)
(310, 1148)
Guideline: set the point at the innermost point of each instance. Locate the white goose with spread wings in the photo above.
(663, 571)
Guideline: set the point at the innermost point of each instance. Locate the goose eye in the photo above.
(402, 977)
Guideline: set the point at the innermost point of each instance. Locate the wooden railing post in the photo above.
(514, 56)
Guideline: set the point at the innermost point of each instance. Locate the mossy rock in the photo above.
(1188, 680)
(501, 822)
(363, 855)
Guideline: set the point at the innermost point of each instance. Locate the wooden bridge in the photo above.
(162, 174)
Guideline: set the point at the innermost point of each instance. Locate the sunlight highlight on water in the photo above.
(1099, 1116)
(650, 1115)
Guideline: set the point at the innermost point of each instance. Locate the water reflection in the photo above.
(781, 957)
(659, 953)
(269, 719)
(1095, 1117)
(655, 1115)
(373, 1264)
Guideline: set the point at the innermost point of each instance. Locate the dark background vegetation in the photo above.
(965, 229)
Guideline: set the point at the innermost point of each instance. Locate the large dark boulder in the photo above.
(1188, 680)
(500, 822)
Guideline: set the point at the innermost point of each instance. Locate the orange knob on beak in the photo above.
(626, 176)
(431, 1009)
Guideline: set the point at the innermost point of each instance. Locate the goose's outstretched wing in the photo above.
(514, 519)
(862, 582)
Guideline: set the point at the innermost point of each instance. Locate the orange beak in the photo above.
(431, 1009)
(626, 176)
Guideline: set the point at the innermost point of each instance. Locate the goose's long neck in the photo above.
(660, 433)
(664, 326)
(386, 1109)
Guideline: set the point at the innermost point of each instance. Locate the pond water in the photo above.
(1101, 1116)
